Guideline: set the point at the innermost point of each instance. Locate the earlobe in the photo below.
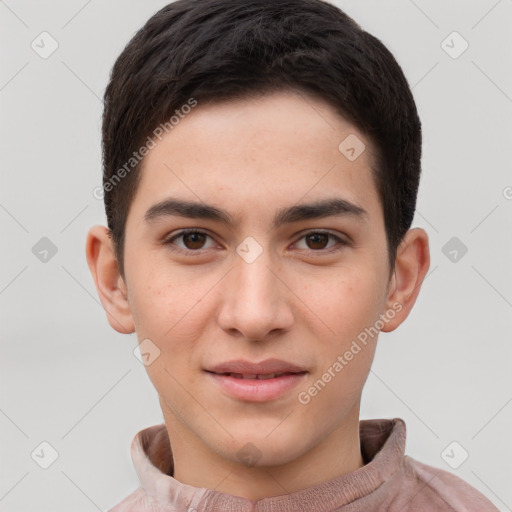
(109, 282)
(411, 266)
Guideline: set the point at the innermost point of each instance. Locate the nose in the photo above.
(256, 302)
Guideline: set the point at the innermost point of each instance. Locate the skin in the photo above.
(303, 300)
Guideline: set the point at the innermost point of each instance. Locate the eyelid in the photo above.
(341, 242)
(168, 240)
(312, 231)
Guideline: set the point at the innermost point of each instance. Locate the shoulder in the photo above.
(429, 485)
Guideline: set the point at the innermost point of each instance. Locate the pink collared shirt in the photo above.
(389, 481)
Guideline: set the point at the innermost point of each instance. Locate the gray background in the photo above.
(68, 379)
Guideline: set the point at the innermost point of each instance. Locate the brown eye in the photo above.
(190, 241)
(194, 240)
(317, 240)
(321, 242)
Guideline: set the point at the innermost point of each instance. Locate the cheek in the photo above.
(346, 302)
(160, 296)
(172, 310)
(350, 308)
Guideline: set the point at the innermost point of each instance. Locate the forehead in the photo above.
(278, 148)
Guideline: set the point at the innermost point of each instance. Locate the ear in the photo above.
(411, 265)
(109, 282)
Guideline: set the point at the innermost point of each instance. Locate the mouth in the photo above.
(257, 376)
(256, 382)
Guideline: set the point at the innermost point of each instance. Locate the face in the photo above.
(282, 266)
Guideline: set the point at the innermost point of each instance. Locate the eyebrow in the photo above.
(172, 207)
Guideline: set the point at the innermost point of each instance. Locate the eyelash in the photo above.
(189, 252)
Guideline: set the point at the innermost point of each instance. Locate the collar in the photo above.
(382, 448)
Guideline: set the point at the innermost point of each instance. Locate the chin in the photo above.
(258, 447)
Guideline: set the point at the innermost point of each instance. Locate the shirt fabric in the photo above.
(389, 481)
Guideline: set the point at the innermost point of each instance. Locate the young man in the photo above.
(261, 166)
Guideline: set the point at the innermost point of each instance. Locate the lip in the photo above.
(263, 367)
(255, 389)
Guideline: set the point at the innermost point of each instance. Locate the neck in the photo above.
(198, 465)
